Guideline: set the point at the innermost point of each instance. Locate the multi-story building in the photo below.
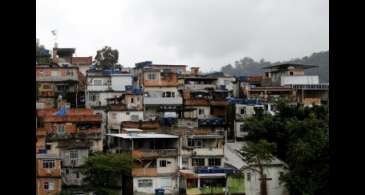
(48, 168)
(157, 156)
(202, 162)
(56, 83)
(161, 96)
(71, 135)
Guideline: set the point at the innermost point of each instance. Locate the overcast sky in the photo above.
(205, 33)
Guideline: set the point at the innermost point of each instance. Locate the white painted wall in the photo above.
(98, 83)
(299, 80)
(116, 117)
(119, 81)
(100, 96)
(237, 130)
(226, 81)
(252, 187)
(195, 114)
(170, 168)
(249, 111)
(168, 183)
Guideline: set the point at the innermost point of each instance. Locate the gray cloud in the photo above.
(207, 33)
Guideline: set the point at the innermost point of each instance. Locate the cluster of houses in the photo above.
(185, 128)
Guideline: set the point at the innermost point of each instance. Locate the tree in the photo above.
(257, 155)
(301, 135)
(106, 58)
(104, 172)
(42, 54)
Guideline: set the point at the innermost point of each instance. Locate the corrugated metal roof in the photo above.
(142, 135)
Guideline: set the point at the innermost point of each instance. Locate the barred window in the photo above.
(142, 183)
(48, 164)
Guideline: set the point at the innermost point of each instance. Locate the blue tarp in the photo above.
(62, 111)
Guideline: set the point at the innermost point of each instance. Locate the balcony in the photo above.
(299, 80)
(150, 153)
(200, 86)
(162, 101)
(140, 172)
(208, 151)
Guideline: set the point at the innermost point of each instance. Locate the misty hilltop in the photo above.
(248, 66)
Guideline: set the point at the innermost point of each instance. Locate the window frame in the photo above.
(48, 164)
(163, 163)
(212, 162)
(198, 162)
(151, 76)
(145, 183)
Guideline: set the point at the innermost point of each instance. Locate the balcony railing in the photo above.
(150, 153)
(208, 151)
(162, 100)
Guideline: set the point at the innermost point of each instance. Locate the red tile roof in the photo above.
(82, 60)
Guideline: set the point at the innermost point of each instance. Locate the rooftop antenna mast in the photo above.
(54, 33)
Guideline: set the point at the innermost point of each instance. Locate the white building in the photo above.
(252, 179)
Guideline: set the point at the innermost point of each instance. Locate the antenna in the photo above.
(54, 32)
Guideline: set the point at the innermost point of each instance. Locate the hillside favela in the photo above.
(150, 128)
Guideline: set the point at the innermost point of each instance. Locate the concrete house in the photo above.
(202, 162)
(251, 184)
(48, 169)
(161, 96)
(71, 136)
(157, 156)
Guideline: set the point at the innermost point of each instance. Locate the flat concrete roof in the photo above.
(142, 136)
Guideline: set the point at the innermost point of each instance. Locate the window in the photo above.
(97, 82)
(114, 116)
(172, 94)
(242, 129)
(248, 176)
(143, 183)
(198, 162)
(61, 129)
(214, 162)
(291, 73)
(48, 146)
(185, 161)
(134, 118)
(46, 86)
(69, 73)
(67, 171)
(46, 185)
(48, 164)
(242, 111)
(201, 111)
(50, 186)
(163, 163)
(132, 100)
(195, 143)
(93, 97)
(74, 157)
(151, 76)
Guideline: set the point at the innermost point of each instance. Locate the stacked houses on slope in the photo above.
(183, 126)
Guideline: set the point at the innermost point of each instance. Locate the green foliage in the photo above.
(301, 135)
(258, 153)
(103, 172)
(106, 58)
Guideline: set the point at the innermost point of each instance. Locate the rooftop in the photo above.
(47, 156)
(285, 66)
(143, 136)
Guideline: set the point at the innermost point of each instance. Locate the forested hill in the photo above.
(248, 66)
